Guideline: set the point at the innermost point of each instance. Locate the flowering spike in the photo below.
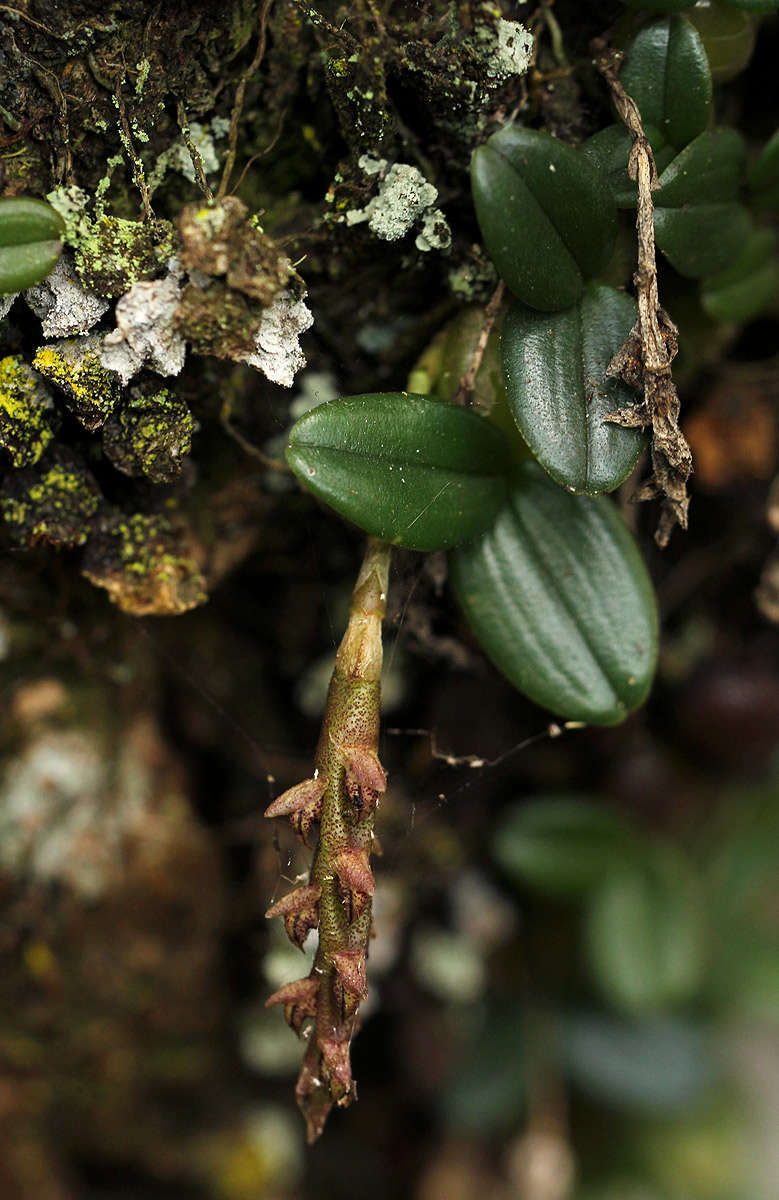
(342, 797)
(350, 967)
(363, 766)
(299, 1000)
(302, 804)
(296, 901)
(335, 1057)
(300, 912)
(351, 867)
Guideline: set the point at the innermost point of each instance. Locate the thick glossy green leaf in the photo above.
(559, 597)
(560, 845)
(667, 73)
(746, 287)
(610, 148)
(30, 242)
(645, 941)
(698, 224)
(554, 365)
(546, 213)
(405, 468)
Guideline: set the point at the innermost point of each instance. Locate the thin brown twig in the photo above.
(644, 361)
(468, 382)
(240, 93)
(136, 166)
(194, 153)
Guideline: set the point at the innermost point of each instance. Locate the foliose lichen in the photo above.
(63, 304)
(147, 333)
(404, 198)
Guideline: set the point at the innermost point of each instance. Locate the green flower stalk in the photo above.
(342, 797)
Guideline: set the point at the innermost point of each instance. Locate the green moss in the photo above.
(26, 412)
(75, 368)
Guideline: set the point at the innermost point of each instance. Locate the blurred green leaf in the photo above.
(546, 213)
(744, 289)
(763, 175)
(405, 468)
(560, 845)
(728, 38)
(666, 72)
(559, 597)
(555, 370)
(743, 891)
(651, 1066)
(488, 1088)
(645, 937)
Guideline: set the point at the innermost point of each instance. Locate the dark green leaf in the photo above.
(405, 468)
(763, 175)
(756, 6)
(610, 147)
(555, 370)
(660, 6)
(645, 940)
(546, 213)
(708, 171)
(667, 73)
(745, 288)
(30, 242)
(559, 597)
(704, 239)
(698, 225)
(560, 845)
(765, 169)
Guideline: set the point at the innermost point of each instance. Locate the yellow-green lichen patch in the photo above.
(55, 504)
(149, 435)
(144, 565)
(112, 253)
(26, 412)
(224, 241)
(74, 366)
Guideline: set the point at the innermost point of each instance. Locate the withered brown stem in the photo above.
(341, 797)
(644, 361)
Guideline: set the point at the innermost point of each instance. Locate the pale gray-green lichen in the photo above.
(404, 198)
(277, 351)
(63, 304)
(146, 333)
